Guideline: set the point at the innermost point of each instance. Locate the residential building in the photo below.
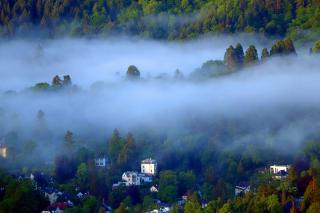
(3, 151)
(242, 188)
(101, 161)
(149, 166)
(153, 189)
(277, 168)
(131, 178)
(279, 172)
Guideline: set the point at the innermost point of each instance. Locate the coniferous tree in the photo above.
(66, 80)
(40, 130)
(56, 82)
(251, 56)
(178, 75)
(133, 72)
(230, 58)
(283, 47)
(316, 48)
(264, 54)
(128, 151)
(192, 205)
(240, 54)
(114, 146)
(68, 140)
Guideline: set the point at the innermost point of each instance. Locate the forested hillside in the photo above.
(167, 19)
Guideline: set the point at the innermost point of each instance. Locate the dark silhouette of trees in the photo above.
(251, 56)
(283, 47)
(56, 82)
(316, 48)
(239, 54)
(133, 72)
(69, 141)
(277, 17)
(66, 80)
(230, 58)
(264, 54)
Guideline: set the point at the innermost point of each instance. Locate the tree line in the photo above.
(168, 19)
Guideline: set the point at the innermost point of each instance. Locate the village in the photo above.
(147, 177)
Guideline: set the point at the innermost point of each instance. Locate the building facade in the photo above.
(149, 166)
(274, 169)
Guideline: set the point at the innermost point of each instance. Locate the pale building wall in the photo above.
(3, 152)
(277, 168)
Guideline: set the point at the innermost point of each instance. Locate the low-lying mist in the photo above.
(25, 62)
(277, 99)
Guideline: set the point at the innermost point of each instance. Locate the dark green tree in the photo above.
(231, 58)
(56, 82)
(193, 205)
(251, 56)
(168, 186)
(115, 146)
(133, 72)
(21, 196)
(264, 54)
(283, 47)
(66, 80)
(316, 48)
(69, 140)
(240, 54)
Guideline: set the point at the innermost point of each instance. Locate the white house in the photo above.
(241, 188)
(279, 172)
(153, 189)
(160, 210)
(277, 168)
(101, 161)
(131, 178)
(3, 151)
(80, 195)
(149, 166)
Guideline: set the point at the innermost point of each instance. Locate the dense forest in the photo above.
(168, 19)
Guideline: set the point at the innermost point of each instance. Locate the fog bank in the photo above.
(280, 95)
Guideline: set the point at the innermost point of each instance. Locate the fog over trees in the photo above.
(184, 106)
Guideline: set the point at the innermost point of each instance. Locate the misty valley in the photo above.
(159, 106)
(237, 129)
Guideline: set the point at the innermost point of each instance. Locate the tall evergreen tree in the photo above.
(231, 58)
(56, 82)
(264, 54)
(240, 54)
(251, 56)
(68, 140)
(66, 80)
(133, 72)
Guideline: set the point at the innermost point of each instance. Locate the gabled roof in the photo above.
(149, 161)
(129, 173)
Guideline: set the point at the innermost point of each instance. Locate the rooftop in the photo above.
(128, 173)
(275, 165)
(148, 161)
